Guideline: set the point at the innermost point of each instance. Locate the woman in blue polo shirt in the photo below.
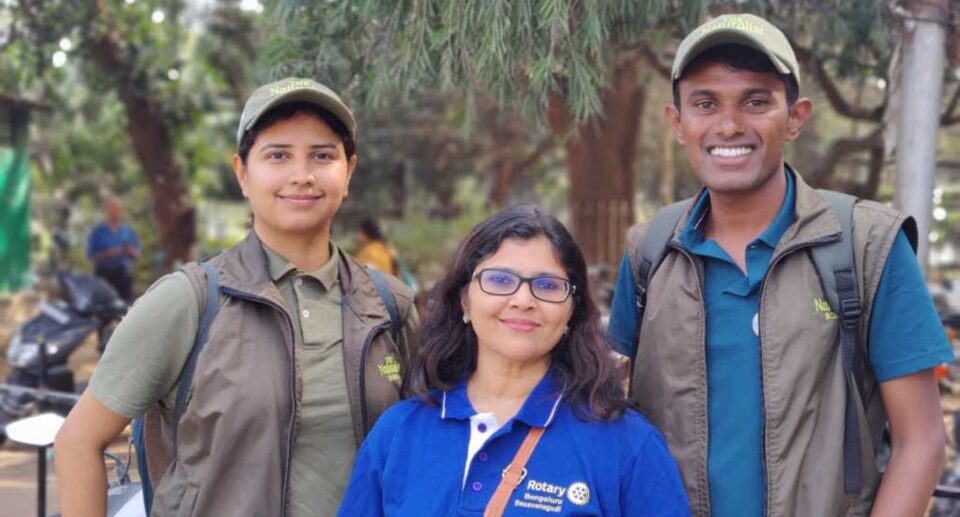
(512, 352)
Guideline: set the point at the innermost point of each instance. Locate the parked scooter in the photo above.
(87, 305)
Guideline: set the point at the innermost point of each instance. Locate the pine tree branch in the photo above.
(839, 149)
(829, 86)
(950, 118)
(546, 145)
(506, 171)
(662, 68)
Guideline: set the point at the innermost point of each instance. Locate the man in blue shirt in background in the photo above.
(737, 360)
(113, 247)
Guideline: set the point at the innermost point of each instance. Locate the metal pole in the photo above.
(42, 451)
(921, 86)
(41, 481)
(42, 374)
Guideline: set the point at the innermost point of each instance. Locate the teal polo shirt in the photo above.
(735, 403)
(905, 337)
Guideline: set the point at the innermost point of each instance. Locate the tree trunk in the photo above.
(920, 90)
(152, 138)
(173, 212)
(600, 164)
(668, 170)
(506, 169)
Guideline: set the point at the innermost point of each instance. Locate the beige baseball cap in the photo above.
(744, 29)
(294, 89)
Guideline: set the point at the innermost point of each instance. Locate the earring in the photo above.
(566, 331)
(466, 319)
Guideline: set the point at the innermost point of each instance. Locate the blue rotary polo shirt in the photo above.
(415, 462)
(905, 337)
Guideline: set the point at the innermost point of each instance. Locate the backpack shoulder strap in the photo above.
(837, 271)
(832, 259)
(211, 307)
(153, 457)
(389, 300)
(645, 256)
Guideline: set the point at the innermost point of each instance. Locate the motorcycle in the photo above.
(87, 306)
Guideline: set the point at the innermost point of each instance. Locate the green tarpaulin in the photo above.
(14, 200)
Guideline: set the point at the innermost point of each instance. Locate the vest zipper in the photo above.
(367, 341)
(293, 387)
(763, 420)
(698, 270)
(773, 263)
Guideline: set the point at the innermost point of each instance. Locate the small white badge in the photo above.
(578, 493)
(756, 324)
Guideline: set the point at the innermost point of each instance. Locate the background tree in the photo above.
(556, 63)
(581, 68)
(143, 64)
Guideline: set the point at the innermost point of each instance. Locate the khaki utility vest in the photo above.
(802, 375)
(238, 429)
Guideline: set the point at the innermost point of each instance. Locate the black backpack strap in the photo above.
(210, 309)
(383, 289)
(653, 248)
(838, 277)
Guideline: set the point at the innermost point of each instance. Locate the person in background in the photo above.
(513, 359)
(373, 249)
(113, 246)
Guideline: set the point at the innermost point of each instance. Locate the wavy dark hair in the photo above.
(448, 348)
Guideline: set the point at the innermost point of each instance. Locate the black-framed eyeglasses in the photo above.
(503, 282)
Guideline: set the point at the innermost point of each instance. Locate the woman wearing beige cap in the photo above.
(260, 371)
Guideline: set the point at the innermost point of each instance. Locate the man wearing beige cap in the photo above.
(288, 348)
(774, 329)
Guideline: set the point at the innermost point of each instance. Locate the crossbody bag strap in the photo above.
(513, 475)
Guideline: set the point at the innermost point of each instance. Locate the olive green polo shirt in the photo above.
(324, 447)
(148, 349)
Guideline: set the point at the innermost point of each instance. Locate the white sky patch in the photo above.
(66, 44)
(173, 74)
(251, 6)
(158, 16)
(940, 213)
(59, 58)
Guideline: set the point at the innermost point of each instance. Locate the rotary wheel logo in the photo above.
(578, 493)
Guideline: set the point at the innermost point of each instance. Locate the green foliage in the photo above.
(855, 37)
(199, 73)
(521, 52)
(195, 65)
(428, 243)
(517, 52)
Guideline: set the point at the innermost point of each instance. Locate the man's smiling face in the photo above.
(733, 125)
